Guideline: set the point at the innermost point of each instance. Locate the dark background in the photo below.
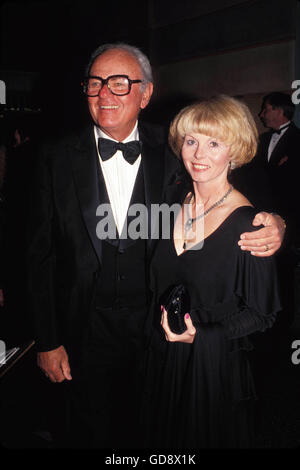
(45, 46)
(49, 43)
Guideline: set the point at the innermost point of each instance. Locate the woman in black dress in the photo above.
(199, 390)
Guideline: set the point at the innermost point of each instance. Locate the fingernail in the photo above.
(187, 316)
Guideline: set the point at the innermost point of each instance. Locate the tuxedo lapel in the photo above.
(175, 193)
(84, 160)
(153, 165)
(262, 151)
(153, 171)
(281, 147)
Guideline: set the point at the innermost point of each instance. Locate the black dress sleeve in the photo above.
(254, 302)
(257, 295)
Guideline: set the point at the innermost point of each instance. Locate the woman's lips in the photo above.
(200, 167)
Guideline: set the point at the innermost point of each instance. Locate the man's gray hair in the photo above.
(140, 57)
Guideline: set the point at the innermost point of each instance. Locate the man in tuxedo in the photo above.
(279, 155)
(89, 294)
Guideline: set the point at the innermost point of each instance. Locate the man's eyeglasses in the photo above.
(118, 84)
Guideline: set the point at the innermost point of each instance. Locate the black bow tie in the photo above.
(278, 131)
(131, 150)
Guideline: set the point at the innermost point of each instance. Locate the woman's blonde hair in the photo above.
(221, 117)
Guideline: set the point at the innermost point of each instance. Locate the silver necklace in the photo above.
(189, 223)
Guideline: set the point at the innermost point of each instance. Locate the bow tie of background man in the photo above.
(278, 131)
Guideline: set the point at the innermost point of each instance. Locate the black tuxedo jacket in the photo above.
(65, 254)
(287, 146)
(283, 170)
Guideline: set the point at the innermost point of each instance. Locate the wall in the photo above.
(253, 72)
(242, 48)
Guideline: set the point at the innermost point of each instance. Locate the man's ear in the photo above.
(281, 114)
(147, 93)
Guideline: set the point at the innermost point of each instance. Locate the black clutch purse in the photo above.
(176, 301)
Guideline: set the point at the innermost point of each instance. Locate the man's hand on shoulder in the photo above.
(267, 240)
(55, 364)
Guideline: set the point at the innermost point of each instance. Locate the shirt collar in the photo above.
(285, 124)
(134, 135)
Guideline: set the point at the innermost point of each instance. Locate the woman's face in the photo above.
(206, 158)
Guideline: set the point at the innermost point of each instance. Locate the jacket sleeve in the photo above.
(41, 256)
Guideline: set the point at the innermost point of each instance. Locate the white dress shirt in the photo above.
(275, 139)
(119, 176)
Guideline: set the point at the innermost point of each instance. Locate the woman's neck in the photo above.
(209, 193)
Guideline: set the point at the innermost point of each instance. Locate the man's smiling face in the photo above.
(117, 115)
